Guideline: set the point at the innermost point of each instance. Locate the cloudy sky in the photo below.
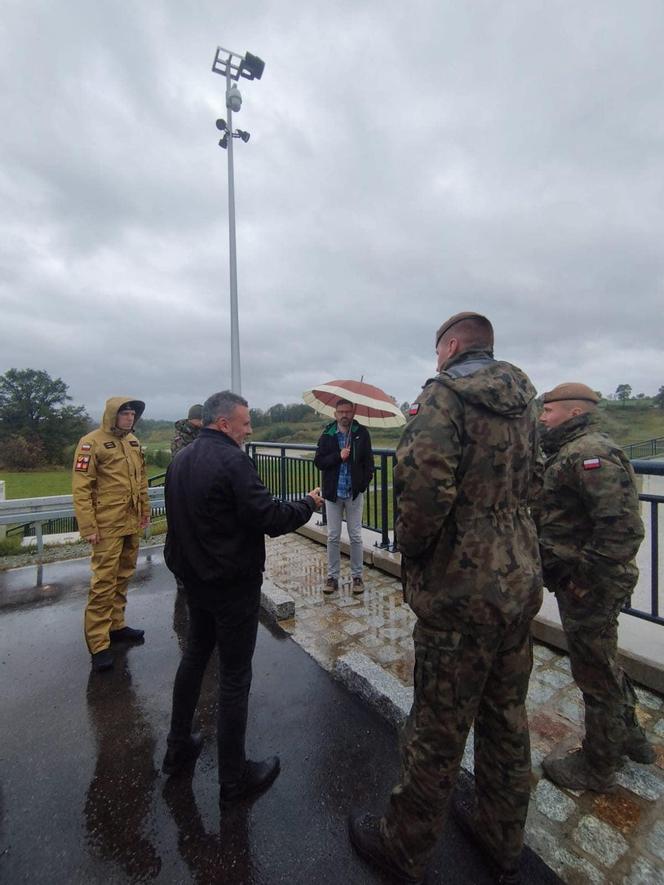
(406, 161)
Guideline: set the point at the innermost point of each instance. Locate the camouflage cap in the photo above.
(195, 411)
(453, 320)
(570, 390)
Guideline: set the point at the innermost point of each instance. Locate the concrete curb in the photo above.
(382, 691)
(277, 602)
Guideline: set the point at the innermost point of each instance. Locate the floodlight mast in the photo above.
(232, 66)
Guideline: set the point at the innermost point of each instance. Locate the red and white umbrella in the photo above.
(373, 407)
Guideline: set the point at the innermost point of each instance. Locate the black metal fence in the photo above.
(289, 472)
(650, 448)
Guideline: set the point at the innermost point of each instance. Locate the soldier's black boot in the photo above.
(102, 660)
(463, 811)
(366, 838)
(256, 778)
(638, 747)
(182, 755)
(127, 634)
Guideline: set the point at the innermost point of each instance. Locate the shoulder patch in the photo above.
(82, 463)
(592, 464)
(86, 447)
(109, 445)
(414, 409)
(134, 442)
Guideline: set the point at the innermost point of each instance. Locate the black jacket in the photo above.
(218, 513)
(328, 460)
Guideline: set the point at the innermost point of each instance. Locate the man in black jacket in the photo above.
(218, 513)
(345, 458)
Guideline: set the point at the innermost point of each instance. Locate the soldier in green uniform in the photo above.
(187, 429)
(590, 530)
(471, 573)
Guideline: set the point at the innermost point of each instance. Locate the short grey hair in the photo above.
(221, 405)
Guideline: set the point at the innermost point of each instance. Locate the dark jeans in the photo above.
(230, 623)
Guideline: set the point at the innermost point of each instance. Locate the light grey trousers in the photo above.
(335, 511)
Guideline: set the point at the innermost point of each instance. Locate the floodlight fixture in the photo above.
(245, 136)
(223, 141)
(221, 124)
(233, 65)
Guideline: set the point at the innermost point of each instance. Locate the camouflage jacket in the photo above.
(186, 433)
(464, 480)
(588, 517)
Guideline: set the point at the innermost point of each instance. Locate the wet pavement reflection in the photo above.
(84, 801)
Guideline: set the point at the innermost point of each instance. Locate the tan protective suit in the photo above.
(110, 490)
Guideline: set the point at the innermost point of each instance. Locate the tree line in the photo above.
(38, 426)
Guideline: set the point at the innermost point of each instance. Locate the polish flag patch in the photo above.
(86, 447)
(592, 464)
(414, 409)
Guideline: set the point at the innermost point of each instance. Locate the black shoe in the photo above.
(102, 660)
(364, 832)
(127, 634)
(256, 779)
(184, 756)
(462, 811)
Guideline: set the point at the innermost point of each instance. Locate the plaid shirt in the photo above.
(344, 488)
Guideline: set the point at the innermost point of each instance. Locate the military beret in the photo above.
(570, 390)
(466, 315)
(195, 412)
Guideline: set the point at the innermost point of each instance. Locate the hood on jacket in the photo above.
(552, 440)
(483, 381)
(111, 411)
(331, 428)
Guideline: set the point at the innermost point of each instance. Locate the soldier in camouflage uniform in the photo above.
(471, 573)
(590, 530)
(187, 429)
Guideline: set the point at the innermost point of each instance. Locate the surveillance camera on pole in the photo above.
(232, 66)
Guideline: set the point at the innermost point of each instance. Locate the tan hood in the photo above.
(111, 411)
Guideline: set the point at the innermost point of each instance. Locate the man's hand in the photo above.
(345, 453)
(145, 521)
(92, 539)
(317, 498)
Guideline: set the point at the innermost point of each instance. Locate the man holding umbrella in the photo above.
(344, 457)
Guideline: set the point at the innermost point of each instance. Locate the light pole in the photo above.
(232, 65)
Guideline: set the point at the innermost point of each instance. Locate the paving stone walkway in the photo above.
(584, 837)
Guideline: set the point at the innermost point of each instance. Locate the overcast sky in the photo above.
(406, 161)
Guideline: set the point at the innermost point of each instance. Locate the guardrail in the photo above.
(38, 511)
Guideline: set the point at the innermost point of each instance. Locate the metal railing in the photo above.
(649, 448)
(41, 513)
(290, 476)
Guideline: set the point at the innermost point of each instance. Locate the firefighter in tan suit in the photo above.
(110, 491)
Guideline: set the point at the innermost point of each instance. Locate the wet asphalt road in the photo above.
(83, 799)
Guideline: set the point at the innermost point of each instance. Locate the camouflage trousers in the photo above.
(591, 630)
(461, 679)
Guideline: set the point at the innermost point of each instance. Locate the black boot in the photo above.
(256, 778)
(183, 756)
(102, 660)
(364, 832)
(127, 634)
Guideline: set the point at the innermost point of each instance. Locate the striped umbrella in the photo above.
(373, 407)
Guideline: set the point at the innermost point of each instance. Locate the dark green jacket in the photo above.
(589, 518)
(464, 476)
